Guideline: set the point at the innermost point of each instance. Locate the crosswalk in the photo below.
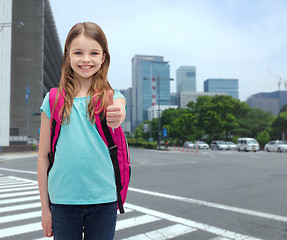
(20, 218)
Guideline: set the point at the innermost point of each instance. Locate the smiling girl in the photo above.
(79, 194)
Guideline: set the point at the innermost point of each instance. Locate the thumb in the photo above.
(110, 95)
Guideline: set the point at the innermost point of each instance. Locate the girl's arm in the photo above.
(43, 164)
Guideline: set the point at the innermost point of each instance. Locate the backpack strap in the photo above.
(56, 119)
(107, 135)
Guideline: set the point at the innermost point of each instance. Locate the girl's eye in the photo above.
(94, 53)
(77, 53)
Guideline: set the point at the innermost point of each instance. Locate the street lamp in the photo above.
(17, 24)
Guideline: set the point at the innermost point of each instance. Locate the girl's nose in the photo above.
(86, 58)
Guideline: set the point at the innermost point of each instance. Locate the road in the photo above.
(212, 195)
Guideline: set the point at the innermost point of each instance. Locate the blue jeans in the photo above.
(97, 221)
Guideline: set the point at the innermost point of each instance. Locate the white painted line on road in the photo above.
(22, 199)
(18, 189)
(17, 185)
(6, 180)
(15, 170)
(21, 216)
(126, 210)
(204, 227)
(11, 183)
(20, 207)
(12, 231)
(163, 233)
(220, 238)
(132, 222)
(8, 195)
(213, 205)
(24, 179)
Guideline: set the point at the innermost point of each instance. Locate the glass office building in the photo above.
(222, 85)
(268, 101)
(186, 79)
(144, 69)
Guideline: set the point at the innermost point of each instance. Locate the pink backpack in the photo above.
(114, 139)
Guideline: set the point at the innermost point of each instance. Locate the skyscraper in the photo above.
(32, 65)
(186, 79)
(222, 85)
(148, 71)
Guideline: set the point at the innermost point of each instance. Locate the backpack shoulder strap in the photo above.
(56, 120)
(108, 136)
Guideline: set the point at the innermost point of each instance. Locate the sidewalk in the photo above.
(17, 155)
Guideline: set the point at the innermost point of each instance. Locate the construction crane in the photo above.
(284, 81)
(278, 79)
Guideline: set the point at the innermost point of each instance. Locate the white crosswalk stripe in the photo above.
(21, 216)
(18, 189)
(163, 233)
(132, 222)
(13, 231)
(20, 201)
(20, 207)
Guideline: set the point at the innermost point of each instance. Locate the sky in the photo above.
(243, 39)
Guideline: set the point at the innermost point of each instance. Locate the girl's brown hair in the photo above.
(99, 82)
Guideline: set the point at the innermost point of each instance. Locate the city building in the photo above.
(186, 79)
(186, 97)
(229, 86)
(35, 64)
(268, 101)
(150, 85)
(5, 70)
(173, 99)
(156, 110)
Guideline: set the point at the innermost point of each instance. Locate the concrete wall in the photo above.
(5, 63)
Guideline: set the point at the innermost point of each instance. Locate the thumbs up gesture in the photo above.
(115, 110)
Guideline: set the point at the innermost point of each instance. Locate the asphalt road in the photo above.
(212, 195)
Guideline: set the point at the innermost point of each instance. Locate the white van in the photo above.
(247, 144)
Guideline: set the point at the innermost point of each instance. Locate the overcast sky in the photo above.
(242, 39)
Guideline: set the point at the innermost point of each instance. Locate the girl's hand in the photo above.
(47, 223)
(115, 111)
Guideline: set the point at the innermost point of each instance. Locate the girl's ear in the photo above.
(103, 58)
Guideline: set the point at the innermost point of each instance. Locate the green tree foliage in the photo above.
(253, 122)
(214, 118)
(279, 125)
(263, 138)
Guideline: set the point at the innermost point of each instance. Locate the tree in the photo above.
(255, 121)
(263, 138)
(218, 116)
(279, 126)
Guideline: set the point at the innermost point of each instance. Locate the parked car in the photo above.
(200, 145)
(188, 144)
(276, 146)
(219, 145)
(247, 144)
(232, 146)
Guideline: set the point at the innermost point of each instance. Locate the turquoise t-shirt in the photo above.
(82, 172)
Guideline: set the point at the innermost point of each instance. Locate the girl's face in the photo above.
(86, 57)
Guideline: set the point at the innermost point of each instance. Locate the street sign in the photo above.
(164, 132)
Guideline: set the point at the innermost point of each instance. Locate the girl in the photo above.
(81, 185)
